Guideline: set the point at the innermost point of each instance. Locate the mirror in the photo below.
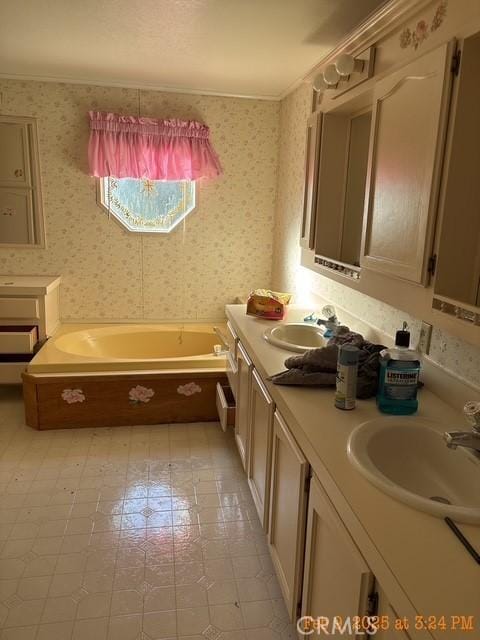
(458, 260)
(342, 173)
(21, 217)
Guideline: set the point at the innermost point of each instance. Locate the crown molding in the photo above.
(373, 28)
(138, 86)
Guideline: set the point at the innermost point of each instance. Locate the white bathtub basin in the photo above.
(296, 336)
(407, 458)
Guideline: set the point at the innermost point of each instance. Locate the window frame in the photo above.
(100, 188)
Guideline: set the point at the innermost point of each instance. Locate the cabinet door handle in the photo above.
(18, 173)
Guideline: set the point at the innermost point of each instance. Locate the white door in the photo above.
(406, 151)
(260, 446)
(242, 416)
(288, 501)
(337, 580)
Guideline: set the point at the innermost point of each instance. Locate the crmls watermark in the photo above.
(338, 626)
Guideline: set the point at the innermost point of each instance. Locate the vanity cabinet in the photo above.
(405, 157)
(242, 416)
(231, 358)
(386, 612)
(288, 505)
(337, 581)
(260, 447)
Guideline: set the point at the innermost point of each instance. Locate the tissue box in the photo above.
(267, 304)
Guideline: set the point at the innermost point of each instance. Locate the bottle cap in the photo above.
(402, 337)
(348, 354)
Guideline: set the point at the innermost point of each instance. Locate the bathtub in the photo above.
(129, 347)
(116, 375)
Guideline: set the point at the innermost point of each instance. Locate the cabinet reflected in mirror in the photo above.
(458, 262)
(342, 172)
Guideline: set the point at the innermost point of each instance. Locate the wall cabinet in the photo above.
(242, 417)
(260, 447)
(406, 149)
(337, 580)
(307, 238)
(458, 273)
(21, 216)
(288, 502)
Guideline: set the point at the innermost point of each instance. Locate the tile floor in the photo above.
(130, 533)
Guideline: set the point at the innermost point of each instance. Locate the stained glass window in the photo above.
(147, 206)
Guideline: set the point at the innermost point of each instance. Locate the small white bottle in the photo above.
(347, 368)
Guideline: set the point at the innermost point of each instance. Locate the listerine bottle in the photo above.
(398, 377)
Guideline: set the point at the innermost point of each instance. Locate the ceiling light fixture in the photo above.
(346, 64)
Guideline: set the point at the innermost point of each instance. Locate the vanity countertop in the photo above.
(431, 567)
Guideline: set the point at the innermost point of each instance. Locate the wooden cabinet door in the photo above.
(15, 156)
(386, 613)
(17, 224)
(242, 416)
(288, 500)
(406, 150)
(260, 447)
(337, 580)
(458, 266)
(307, 239)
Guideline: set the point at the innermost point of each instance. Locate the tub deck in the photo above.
(88, 376)
(128, 347)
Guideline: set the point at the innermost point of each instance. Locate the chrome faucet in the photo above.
(330, 322)
(333, 328)
(468, 439)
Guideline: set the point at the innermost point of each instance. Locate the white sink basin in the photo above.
(408, 459)
(296, 336)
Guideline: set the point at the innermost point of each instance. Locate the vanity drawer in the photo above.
(225, 406)
(11, 372)
(18, 339)
(19, 308)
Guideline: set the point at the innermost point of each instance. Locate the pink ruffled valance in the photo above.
(131, 147)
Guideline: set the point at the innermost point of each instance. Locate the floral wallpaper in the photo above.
(222, 250)
(446, 350)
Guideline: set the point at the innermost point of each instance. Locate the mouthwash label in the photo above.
(400, 385)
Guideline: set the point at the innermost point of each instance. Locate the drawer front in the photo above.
(19, 308)
(18, 339)
(11, 372)
(225, 406)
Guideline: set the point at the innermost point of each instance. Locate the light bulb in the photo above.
(347, 64)
(331, 75)
(319, 83)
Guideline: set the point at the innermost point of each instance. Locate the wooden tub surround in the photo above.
(116, 399)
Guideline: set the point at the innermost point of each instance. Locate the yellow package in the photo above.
(267, 304)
